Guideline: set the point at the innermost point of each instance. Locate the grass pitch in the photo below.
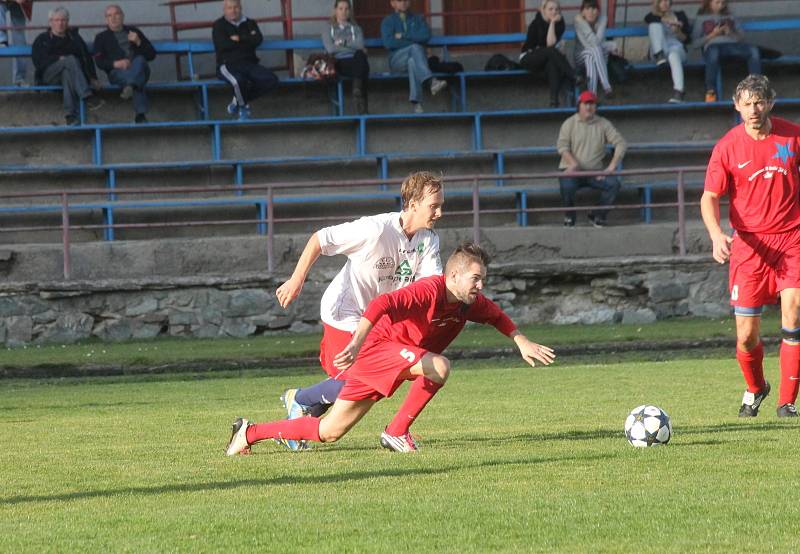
(514, 459)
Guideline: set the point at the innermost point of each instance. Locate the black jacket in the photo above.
(229, 51)
(107, 50)
(537, 33)
(682, 19)
(48, 48)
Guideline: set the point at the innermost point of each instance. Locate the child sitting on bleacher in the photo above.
(591, 47)
(669, 32)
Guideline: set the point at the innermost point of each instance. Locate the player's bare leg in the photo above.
(342, 417)
(428, 375)
(750, 355)
(790, 352)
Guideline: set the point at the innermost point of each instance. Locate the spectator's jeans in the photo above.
(19, 66)
(672, 49)
(249, 80)
(608, 187)
(136, 76)
(68, 73)
(412, 60)
(715, 53)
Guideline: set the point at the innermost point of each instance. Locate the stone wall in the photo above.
(627, 290)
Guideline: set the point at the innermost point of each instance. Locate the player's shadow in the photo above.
(742, 426)
(575, 435)
(332, 479)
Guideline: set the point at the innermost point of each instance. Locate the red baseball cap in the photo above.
(586, 97)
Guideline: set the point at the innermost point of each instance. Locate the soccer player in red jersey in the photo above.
(410, 328)
(756, 165)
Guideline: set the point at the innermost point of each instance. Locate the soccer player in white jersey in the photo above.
(384, 253)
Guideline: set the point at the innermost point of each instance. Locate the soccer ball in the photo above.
(648, 426)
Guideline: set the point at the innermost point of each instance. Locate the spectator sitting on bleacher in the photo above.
(669, 32)
(344, 40)
(62, 58)
(582, 143)
(722, 39)
(236, 38)
(20, 10)
(123, 52)
(541, 50)
(405, 35)
(591, 47)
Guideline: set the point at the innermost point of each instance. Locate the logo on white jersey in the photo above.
(741, 166)
(404, 270)
(384, 263)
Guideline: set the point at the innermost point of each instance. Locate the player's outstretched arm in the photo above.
(290, 290)
(530, 351)
(346, 357)
(720, 242)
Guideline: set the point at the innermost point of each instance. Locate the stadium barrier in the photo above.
(265, 200)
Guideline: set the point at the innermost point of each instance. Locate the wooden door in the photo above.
(507, 18)
(369, 14)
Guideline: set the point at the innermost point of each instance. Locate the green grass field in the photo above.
(514, 459)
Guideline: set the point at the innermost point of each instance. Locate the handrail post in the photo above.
(65, 239)
(681, 215)
(270, 231)
(476, 207)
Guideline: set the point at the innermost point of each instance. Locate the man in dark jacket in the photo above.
(235, 41)
(122, 52)
(62, 58)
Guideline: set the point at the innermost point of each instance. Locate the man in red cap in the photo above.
(582, 144)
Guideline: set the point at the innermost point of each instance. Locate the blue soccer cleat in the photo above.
(293, 411)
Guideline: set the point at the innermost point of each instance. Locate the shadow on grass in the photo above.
(288, 480)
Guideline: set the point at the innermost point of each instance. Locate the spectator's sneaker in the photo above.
(72, 121)
(93, 103)
(660, 58)
(238, 443)
(677, 97)
(140, 118)
(127, 92)
(21, 83)
(596, 221)
(403, 443)
(711, 96)
(244, 113)
(437, 86)
(569, 222)
(418, 108)
(293, 411)
(233, 107)
(787, 410)
(752, 401)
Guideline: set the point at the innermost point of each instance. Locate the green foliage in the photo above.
(514, 459)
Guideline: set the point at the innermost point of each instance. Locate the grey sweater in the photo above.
(705, 24)
(343, 41)
(586, 141)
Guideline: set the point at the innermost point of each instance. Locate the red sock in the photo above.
(752, 364)
(420, 393)
(302, 428)
(790, 372)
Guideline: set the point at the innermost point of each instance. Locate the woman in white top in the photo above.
(344, 40)
(591, 47)
(669, 32)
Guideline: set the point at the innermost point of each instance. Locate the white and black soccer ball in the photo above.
(648, 426)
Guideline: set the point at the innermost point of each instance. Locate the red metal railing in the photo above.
(474, 182)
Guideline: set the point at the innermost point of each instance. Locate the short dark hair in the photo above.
(467, 253)
(590, 4)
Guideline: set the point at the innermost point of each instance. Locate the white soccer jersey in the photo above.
(380, 258)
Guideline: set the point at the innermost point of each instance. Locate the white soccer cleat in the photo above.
(238, 443)
(403, 443)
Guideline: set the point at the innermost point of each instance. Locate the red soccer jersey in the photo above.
(419, 315)
(760, 176)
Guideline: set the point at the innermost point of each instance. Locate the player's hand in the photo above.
(288, 291)
(721, 247)
(531, 351)
(346, 357)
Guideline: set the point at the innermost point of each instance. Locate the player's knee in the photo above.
(441, 370)
(747, 343)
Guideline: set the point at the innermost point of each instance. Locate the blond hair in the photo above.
(417, 185)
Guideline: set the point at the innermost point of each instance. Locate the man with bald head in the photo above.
(122, 51)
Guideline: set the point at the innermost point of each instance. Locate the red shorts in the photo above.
(333, 341)
(762, 265)
(377, 371)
